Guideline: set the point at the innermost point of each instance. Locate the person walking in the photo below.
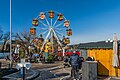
(74, 61)
(66, 61)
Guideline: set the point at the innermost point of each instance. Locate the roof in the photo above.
(100, 44)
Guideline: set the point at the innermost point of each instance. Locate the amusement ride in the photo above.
(50, 27)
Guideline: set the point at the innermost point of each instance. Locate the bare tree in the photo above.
(24, 39)
(4, 37)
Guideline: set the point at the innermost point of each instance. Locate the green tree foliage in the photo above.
(22, 53)
(50, 58)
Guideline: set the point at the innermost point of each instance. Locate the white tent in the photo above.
(115, 62)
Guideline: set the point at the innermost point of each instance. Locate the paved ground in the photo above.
(54, 71)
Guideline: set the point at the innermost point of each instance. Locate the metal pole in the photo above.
(63, 52)
(23, 73)
(116, 71)
(10, 33)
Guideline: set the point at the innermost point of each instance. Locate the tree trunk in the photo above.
(4, 45)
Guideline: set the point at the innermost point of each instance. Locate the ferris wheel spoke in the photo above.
(51, 22)
(59, 33)
(55, 22)
(44, 32)
(43, 28)
(43, 23)
(64, 17)
(47, 22)
(59, 36)
(58, 25)
(60, 29)
(37, 17)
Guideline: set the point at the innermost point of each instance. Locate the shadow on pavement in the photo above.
(62, 74)
(101, 77)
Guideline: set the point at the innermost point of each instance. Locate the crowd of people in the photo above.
(34, 58)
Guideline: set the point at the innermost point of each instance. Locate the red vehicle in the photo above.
(78, 53)
(70, 53)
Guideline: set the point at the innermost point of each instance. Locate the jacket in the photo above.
(74, 59)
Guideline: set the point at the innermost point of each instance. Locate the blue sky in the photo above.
(90, 20)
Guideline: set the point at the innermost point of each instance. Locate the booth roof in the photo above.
(97, 45)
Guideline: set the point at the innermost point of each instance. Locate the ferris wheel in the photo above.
(51, 24)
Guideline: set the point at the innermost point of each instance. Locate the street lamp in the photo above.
(109, 40)
(23, 66)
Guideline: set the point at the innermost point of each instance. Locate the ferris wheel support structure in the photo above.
(45, 41)
(52, 30)
(58, 41)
